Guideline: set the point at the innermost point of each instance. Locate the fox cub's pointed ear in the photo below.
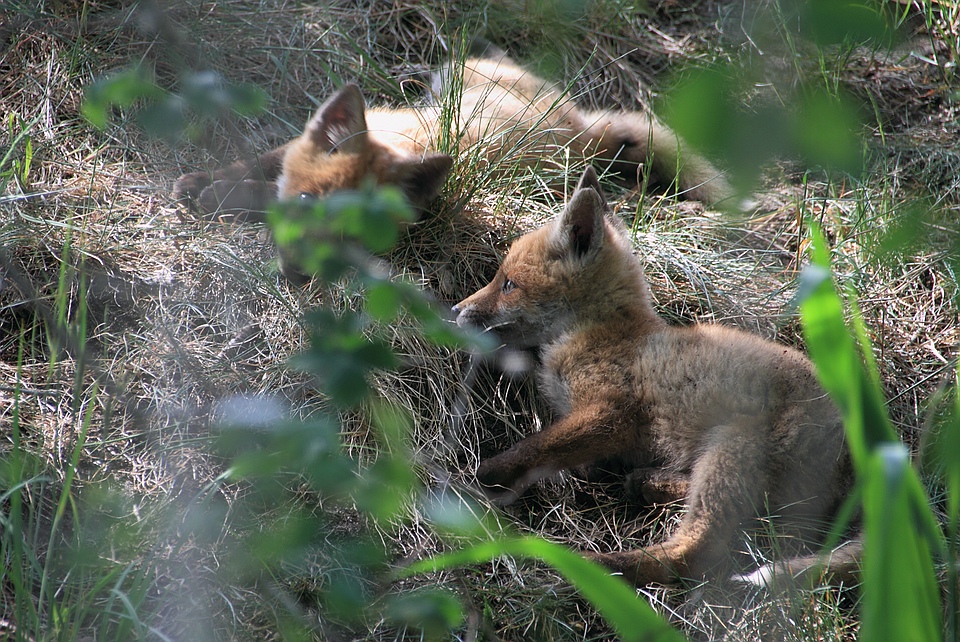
(340, 124)
(590, 180)
(421, 179)
(578, 231)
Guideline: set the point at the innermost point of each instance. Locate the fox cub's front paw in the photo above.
(239, 200)
(493, 474)
(226, 195)
(189, 186)
(499, 480)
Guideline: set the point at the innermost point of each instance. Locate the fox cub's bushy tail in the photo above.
(640, 149)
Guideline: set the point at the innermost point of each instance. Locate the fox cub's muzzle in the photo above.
(477, 309)
(466, 315)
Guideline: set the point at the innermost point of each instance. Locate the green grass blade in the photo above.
(615, 600)
(900, 596)
(839, 360)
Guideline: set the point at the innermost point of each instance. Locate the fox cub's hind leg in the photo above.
(241, 191)
(656, 486)
(726, 488)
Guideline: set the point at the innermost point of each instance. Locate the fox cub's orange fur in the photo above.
(737, 422)
(514, 116)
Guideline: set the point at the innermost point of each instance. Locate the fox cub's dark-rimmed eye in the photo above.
(508, 286)
(306, 197)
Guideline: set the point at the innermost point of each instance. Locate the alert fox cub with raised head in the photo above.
(512, 115)
(738, 423)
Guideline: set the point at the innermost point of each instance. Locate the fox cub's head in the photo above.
(575, 269)
(337, 152)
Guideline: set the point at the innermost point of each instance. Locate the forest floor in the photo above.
(127, 324)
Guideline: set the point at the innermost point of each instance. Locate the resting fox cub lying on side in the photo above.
(513, 115)
(737, 422)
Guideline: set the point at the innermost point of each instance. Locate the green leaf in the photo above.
(705, 110)
(383, 301)
(248, 100)
(285, 538)
(209, 94)
(122, 90)
(27, 160)
(164, 119)
(702, 111)
(433, 611)
(386, 488)
(825, 131)
(831, 22)
(346, 594)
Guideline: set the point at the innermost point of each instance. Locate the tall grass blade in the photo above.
(900, 597)
(618, 603)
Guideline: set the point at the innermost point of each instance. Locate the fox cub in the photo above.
(512, 115)
(738, 423)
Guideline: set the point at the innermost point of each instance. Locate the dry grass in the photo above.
(181, 314)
